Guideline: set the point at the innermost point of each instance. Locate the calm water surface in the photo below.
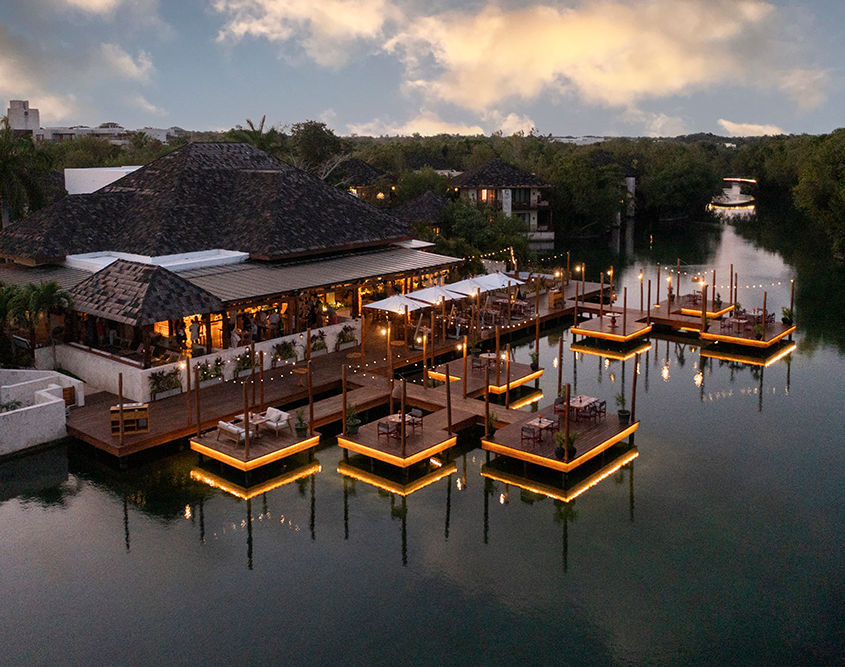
(720, 544)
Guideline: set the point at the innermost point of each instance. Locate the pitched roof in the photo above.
(428, 207)
(203, 196)
(356, 172)
(140, 294)
(498, 174)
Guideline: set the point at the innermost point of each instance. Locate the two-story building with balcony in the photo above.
(515, 192)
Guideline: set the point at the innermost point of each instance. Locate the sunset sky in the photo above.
(614, 67)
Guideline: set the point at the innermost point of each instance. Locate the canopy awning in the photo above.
(467, 287)
(434, 294)
(497, 280)
(397, 304)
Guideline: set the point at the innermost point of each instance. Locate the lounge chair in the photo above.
(276, 420)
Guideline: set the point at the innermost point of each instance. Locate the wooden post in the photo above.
(363, 337)
(575, 310)
(188, 392)
(498, 355)
(610, 277)
(713, 291)
(641, 292)
(406, 332)
(537, 334)
(703, 306)
(765, 294)
(634, 388)
(792, 300)
(425, 361)
(508, 376)
(648, 315)
(433, 337)
(736, 285)
(390, 388)
(465, 366)
(731, 288)
(208, 344)
(310, 401)
(601, 296)
(566, 427)
(678, 282)
(510, 304)
(583, 279)
(247, 425)
(559, 363)
(402, 419)
(448, 401)
(625, 312)
(252, 369)
(261, 379)
(343, 388)
(487, 401)
(567, 268)
(120, 405)
(197, 384)
(308, 345)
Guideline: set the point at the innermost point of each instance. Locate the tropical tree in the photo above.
(315, 148)
(8, 296)
(32, 301)
(821, 187)
(273, 141)
(21, 166)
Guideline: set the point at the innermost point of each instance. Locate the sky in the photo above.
(388, 67)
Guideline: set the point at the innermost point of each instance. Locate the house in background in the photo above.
(361, 179)
(428, 209)
(515, 192)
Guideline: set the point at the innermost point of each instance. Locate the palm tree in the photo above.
(21, 164)
(34, 300)
(8, 296)
(272, 141)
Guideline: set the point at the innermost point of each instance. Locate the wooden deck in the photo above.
(616, 352)
(263, 450)
(621, 329)
(593, 439)
(428, 441)
(544, 485)
(246, 493)
(520, 374)
(385, 483)
(773, 333)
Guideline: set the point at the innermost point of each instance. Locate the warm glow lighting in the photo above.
(528, 400)
(394, 487)
(215, 482)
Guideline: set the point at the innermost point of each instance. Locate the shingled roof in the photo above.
(498, 174)
(140, 294)
(357, 173)
(204, 196)
(428, 207)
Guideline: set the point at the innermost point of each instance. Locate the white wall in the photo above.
(100, 372)
(21, 385)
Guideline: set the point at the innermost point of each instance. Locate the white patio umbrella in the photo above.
(497, 280)
(433, 295)
(467, 287)
(397, 304)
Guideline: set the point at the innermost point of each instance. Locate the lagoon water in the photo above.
(722, 543)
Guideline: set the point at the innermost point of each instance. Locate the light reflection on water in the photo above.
(721, 543)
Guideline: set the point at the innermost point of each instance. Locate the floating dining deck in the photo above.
(742, 335)
(751, 356)
(593, 439)
(520, 374)
(263, 450)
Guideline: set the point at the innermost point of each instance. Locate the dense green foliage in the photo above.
(22, 167)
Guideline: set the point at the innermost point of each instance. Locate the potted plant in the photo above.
(318, 344)
(346, 337)
(352, 421)
(562, 445)
(243, 363)
(283, 352)
(787, 316)
(165, 383)
(758, 331)
(300, 425)
(535, 360)
(717, 303)
(210, 373)
(623, 413)
(491, 424)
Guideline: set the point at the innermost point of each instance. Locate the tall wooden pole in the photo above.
(498, 354)
(703, 307)
(261, 379)
(433, 337)
(465, 366)
(601, 296)
(487, 402)
(567, 269)
(537, 333)
(247, 425)
(402, 419)
(625, 312)
(363, 337)
(648, 315)
(510, 304)
(425, 361)
(792, 300)
(508, 376)
(406, 331)
(308, 344)
(188, 392)
(252, 369)
(448, 401)
(575, 310)
(343, 389)
(641, 291)
(678, 282)
(713, 290)
(310, 400)
(120, 405)
(566, 426)
(731, 287)
(559, 363)
(657, 298)
(610, 277)
(765, 295)
(197, 384)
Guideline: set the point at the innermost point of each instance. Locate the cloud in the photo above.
(607, 53)
(749, 129)
(92, 6)
(141, 102)
(121, 64)
(325, 28)
(655, 124)
(427, 124)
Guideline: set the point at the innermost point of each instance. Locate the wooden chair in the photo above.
(415, 419)
(530, 435)
(602, 409)
(387, 429)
